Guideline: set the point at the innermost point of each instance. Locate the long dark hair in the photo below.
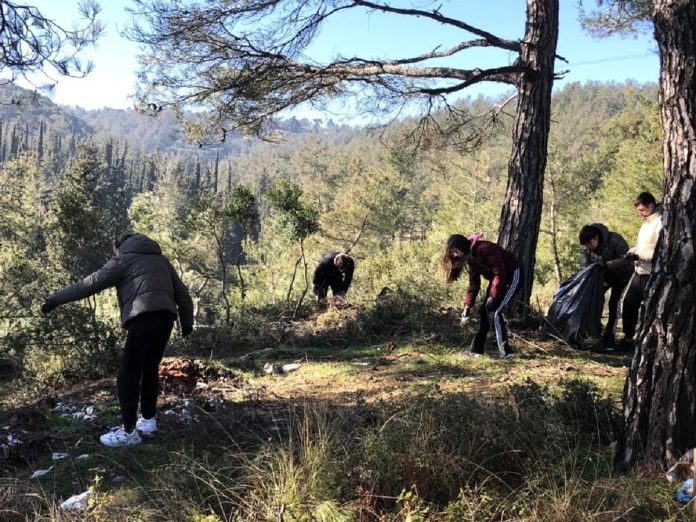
(451, 266)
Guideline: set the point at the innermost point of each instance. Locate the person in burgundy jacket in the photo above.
(504, 275)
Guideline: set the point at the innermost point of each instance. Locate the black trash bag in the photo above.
(576, 312)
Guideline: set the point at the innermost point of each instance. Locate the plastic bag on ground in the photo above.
(686, 491)
(77, 502)
(576, 312)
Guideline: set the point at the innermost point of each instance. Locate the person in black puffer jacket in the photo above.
(335, 271)
(150, 296)
(608, 249)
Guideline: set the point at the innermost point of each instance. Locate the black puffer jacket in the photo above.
(145, 281)
(611, 250)
(328, 273)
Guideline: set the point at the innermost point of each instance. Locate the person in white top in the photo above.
(642, 255)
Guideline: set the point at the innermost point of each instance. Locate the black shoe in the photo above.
(476, 348)
(608, 340)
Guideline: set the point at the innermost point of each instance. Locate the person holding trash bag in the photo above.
(608, 250)
(335, 271)
(504, 274)
(642, 254)
(150, 296)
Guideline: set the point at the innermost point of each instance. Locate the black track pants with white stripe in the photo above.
(510, 288)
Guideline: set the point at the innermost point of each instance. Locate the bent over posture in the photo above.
(504, 274)
(150, 295)
(335, 271)
(609, 250)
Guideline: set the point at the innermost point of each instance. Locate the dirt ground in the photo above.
(256, 388)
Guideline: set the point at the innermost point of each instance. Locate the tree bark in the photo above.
(521, 214)
(660, 391)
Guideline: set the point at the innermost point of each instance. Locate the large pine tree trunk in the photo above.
(660, 393)
(521, 214)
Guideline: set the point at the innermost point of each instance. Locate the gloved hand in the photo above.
(492, 304)
(631, 256)
(48, 306)
(466, 316)
(186, 330)
(602, 263)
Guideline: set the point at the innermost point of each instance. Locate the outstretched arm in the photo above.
(107, 276)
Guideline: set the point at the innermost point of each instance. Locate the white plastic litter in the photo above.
(40, 473)
(83, 456)
(58, 456)
(77, 502)
(277, 368)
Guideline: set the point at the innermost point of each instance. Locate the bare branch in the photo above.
(243, 62)
(435, 15)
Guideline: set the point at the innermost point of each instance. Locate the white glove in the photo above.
(466, 316)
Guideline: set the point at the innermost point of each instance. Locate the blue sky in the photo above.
(613, 59)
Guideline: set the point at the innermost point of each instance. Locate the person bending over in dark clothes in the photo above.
(335, 271)
(609, 250)
(150, 296)
(504, 274)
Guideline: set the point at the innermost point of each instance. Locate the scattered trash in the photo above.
(77, 502)
(83, 456)
(278, 368)
(117, 479)
(200, 385)
(84, 413)
(211, 403)
(40, 473)
(686, 491)
(58, 456)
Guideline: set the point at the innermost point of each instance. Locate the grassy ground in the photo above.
(408, 428)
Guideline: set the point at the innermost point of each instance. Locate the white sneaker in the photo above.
(118, 436)
(146, 426)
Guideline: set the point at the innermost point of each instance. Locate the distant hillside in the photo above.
(29, 109)
(25, 109)
(165, 135)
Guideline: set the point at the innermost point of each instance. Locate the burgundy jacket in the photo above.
(491, 261)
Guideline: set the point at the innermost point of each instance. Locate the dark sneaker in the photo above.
(608, 340)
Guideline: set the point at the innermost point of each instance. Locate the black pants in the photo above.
(631, 303)
(616, 289)
(138, 380)
(512, 285)
(321, 287)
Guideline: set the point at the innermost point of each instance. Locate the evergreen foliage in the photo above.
(236, 223)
